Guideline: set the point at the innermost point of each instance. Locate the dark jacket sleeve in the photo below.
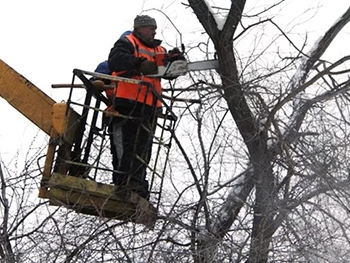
(121, 56)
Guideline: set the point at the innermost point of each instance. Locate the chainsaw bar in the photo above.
(203, 65)
(181, 67)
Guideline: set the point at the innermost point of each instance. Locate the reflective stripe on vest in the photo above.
(141, 93)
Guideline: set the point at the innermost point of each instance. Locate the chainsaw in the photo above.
(180, 67)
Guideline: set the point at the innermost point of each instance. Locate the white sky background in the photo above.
(45, 40)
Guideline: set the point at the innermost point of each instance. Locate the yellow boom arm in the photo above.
(26, 97)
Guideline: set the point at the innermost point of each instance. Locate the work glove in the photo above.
(148, 67)
(174, 51)
(175, 54)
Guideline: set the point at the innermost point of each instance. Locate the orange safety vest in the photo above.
(136, 92)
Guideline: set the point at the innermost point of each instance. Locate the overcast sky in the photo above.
(45, 40)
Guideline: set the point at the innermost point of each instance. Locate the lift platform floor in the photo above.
(92, 198)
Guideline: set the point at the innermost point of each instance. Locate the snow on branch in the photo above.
(233, 203)
(318, 49)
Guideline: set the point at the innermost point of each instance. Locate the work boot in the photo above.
(140, 189)
(122, 191)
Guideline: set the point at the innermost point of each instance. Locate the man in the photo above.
(136, 105)
(103, 68)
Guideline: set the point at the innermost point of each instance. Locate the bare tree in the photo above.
(291, 162)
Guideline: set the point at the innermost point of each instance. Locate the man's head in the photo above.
(145, 26)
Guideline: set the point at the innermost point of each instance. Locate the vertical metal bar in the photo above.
(76, 153)
(93, 129)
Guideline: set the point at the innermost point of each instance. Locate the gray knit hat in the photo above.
(144, 20)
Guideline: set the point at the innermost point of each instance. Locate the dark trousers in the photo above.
(131, 137)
